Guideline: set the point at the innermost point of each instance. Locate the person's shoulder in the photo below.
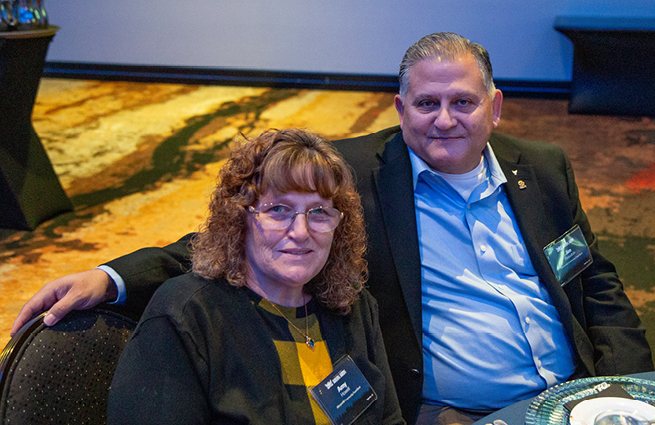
(373, 140)
(385, 134)
(184, 285)
(178, 293)
(361, 152)
(366, 297)
(365, 303)
(499, 139)
(504, 144)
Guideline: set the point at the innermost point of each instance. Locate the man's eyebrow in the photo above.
(464, 93)
(454, 93)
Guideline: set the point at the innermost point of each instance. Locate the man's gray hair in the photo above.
(445, 46)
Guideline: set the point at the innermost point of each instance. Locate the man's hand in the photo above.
(78, 291)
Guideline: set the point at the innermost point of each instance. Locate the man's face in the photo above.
(447, 114)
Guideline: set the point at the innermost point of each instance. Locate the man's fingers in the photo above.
(32, 308)
(60, 296)
(56, 313)
(61, 308)
(23, 317)
(51, 319)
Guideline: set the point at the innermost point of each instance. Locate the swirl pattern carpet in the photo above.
(138, 161)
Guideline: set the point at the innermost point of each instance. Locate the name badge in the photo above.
(345, 393)
(568, 255)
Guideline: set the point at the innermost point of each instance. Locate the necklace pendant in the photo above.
(309, 342)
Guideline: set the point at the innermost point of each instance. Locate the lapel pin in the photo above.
(515, 172)
(522, 184)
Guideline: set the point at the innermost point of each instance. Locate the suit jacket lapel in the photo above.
(393, 184)
(537, 229)
(522, 189)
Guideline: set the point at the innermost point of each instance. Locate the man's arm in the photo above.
(612, 324)
(143, 271)
(77, 291)
(604, 326)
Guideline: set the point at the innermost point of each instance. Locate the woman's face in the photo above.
(282, 261)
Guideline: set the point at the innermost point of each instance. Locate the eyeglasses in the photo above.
(280, 217)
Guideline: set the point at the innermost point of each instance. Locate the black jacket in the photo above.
(201, 354)
(601, 324)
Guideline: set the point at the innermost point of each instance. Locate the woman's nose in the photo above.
(299, 227)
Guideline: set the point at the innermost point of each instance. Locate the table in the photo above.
(30, 191)
(514, 414)
(613, 66)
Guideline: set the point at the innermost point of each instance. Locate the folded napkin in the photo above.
(613, 390)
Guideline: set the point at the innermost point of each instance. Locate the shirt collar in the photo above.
(419, 166)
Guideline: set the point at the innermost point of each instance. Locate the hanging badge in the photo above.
(345, 393)
(568, 255)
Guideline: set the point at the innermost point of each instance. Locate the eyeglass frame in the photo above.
(292, 218)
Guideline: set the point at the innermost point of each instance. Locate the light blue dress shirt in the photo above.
(491, 334)
(120, 284)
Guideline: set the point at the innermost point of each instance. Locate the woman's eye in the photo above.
(317, 212)
(278, 209)
(319, 215)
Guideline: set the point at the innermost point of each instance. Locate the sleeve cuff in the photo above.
(120, 284)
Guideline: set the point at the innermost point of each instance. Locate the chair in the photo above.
(61, 374)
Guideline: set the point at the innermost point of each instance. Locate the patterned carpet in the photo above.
(138, 161)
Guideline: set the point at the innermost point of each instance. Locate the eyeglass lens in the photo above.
(278, 217)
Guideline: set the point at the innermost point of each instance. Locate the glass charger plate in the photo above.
(548, 407)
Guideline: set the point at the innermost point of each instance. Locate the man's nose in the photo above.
(444, 119)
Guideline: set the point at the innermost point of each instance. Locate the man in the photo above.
(473, 314)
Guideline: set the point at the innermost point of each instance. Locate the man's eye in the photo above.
(426, 104)
(466, 105)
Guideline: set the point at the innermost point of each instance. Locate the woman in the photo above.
(275, 298)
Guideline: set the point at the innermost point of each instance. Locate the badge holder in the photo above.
(568, 255)
(345, 394)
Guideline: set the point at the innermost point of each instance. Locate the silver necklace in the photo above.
(309, 341)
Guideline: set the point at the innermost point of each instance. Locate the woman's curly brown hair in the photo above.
(284, 161)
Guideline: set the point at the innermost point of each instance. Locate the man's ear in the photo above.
(400, 107)
(497, 105)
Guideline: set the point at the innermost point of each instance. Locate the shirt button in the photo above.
(539, 364)
(527, 320)
(483, 248)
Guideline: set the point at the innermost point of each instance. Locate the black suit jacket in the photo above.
(603, 327)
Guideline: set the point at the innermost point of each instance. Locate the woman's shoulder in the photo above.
(366, 298)
(364, 306)
(189, 290)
